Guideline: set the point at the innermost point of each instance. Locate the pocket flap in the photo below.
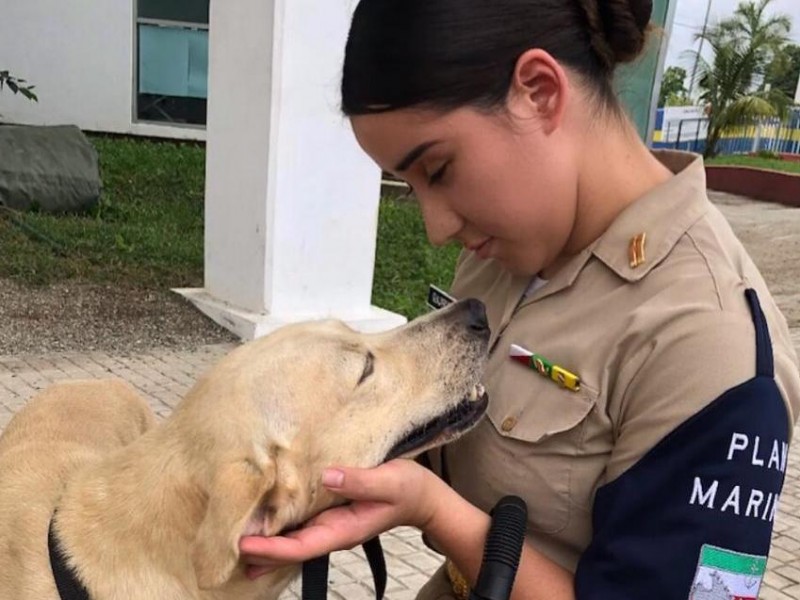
(534, 408)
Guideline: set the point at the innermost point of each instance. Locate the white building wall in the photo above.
(80, 56)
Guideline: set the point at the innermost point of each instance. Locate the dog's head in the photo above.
(262, 425)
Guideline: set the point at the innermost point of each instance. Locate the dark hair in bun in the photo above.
(450, 53)
(617, 28)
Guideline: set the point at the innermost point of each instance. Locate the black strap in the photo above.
(377, 564)
(69, 587)
(315, 572)
(445, 468)
(424, 460)
(315, 578)
(765, 365)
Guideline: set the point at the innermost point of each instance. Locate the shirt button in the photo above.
(509, 424)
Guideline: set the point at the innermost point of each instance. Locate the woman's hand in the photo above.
(400, 492)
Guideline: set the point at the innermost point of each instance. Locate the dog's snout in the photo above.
(475, 316)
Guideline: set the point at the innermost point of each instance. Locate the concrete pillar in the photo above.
(291, 201)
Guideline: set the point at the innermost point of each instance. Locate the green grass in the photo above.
(774, 164)
(406, 263)
(147, 231)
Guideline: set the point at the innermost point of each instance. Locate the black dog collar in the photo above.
(67, 582)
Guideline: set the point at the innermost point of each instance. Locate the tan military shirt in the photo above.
(652, 344)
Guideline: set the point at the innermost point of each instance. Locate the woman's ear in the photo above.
(235, 496)
(539, 89)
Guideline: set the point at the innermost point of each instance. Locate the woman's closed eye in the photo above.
(438, 175)
(433, 179)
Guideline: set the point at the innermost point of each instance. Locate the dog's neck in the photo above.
(142, 506)
(147, 509)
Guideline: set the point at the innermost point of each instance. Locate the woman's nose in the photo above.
(442, 223)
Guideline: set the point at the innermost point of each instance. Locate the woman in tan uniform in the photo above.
(643, 387)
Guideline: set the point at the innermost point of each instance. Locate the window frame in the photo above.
(137, 20)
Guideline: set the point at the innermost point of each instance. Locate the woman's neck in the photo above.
(616, 169)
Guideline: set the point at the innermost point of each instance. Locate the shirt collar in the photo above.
(664, 214)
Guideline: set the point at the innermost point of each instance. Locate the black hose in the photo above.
(15, 218)
(502, 551)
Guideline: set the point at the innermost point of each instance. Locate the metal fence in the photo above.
(687, 128)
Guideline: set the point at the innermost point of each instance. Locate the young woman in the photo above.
(650, 440)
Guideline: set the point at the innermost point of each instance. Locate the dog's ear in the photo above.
(235, 495)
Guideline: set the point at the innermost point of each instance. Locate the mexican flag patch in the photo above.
(727, 575)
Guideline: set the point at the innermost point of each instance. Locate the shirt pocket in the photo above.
(540, 427)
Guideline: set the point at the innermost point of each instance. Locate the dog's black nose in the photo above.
(476, 316)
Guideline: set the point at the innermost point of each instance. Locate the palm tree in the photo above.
(744, 46)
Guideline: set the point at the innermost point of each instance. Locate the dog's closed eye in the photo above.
(369, 368)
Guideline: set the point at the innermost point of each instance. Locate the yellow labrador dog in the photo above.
(147, 511)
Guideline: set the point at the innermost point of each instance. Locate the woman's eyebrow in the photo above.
(414, 155)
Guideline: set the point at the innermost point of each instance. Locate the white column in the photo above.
(291, 201)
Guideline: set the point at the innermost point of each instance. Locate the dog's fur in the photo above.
(147, 511)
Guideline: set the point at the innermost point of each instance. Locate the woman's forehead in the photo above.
(387, 136)
(397, 121)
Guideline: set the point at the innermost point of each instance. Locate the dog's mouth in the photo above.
(444, 428)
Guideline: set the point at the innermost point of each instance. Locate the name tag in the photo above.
(438, 298)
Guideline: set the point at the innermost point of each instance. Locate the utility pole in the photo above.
(797, 93)
(692, 82)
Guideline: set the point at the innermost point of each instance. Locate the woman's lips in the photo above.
(482, 248)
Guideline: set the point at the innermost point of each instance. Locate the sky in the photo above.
(689, 16)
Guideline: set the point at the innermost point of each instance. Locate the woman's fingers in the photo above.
(406, 489)
(269, 551)
(385, 483)
(383, 497)
(335, 529)
(294, 548)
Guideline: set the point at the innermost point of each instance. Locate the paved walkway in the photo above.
(163, 377)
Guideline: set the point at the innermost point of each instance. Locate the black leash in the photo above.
(69, 587)
(315, 572)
